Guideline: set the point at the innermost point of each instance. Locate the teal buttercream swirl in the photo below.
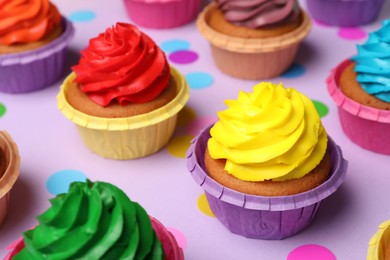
(373, 63)
(92, 221)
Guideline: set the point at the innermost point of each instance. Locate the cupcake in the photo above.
(162, 14)
(267, 163)
(253, 39)
(9, 171)
(123, 96)
(33, 45)
(346, 13)
(379, 245)
(360, 86)
(95, 221)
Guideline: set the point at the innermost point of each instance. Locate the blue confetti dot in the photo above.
(82, 16)
(174, 45)
(59, 181)
(296, 70)
(199, 80)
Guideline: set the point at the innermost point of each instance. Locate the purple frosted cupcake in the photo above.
(346, 13)
(276, 170)
(32, 47)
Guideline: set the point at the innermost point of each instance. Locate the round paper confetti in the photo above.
(199, 80)
(204, 207)
(311, 251)
(186, 115)
(199, 123)
(82, 16)
(178, 146)
(351, 33)
(322, 109)
(59, 181)
(183, 57)
(180, 238)
(174, 45)
(296, 70)
(2, 110)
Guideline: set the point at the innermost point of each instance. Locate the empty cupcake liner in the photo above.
(162, 14)
(252, 58)
(346, 13)
(38, 68)
(172, 251)
(11, 174)
(379, 242)
(366, 126)
(127, 137)
(263, 217)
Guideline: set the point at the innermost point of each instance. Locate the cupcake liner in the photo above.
(171, 249)
(261, 216)
(127, 137)
(252, 58)
(9, 177)
(346, 13)
(379, 242)
(162, 14)
(38, 68)
(366, 126)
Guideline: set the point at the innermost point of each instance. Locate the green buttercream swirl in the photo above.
(92, 221)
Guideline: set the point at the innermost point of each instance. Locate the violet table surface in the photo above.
(49, 143)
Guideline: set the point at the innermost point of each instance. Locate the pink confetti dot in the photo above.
(311, 251)
(183, 57)
(351, 33)
(180, 238)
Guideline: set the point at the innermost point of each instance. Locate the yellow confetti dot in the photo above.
(204, 207)
(178, 146)
(186, 115)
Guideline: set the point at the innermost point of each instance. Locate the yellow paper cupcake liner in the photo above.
(379, 242)
(127, 137)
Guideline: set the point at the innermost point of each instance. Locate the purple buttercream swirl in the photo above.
(259, 13)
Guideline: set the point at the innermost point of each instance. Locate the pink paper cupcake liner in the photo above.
(263, 217)
(366, 126)
(171, 249)
(346, 13)
(38, 68)
(162, 13)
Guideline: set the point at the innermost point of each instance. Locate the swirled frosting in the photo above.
(273, 133)
(25, 21)
(259, 13)
(373, 63)
(92, 221)
(122, 64)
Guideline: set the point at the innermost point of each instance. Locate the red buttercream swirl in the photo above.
(24, 21)
(122, 64)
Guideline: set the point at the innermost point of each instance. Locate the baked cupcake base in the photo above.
(127, 137)
(38, 68)
(170, 246)
(263, 217)
(366, 126)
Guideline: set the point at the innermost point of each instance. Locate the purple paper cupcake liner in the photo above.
(263, 217)
(346, 13)
(38, 68)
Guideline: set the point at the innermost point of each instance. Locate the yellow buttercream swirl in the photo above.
(273, 133)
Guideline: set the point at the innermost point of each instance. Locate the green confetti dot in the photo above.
(322, 109)
(2, 109)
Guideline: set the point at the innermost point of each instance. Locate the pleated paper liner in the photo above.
(252, 58)
(366, 126)
(162, 14)
(38, 68)
(172, 251)
(379, 245)
(345, 13)
(127, 137)
(263, 217)
(11, 173)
